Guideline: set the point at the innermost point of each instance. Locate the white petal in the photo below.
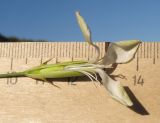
(115, 88)
(84, 28)
(121, 52)
(87, 35)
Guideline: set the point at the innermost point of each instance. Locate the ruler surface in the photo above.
(24, 100)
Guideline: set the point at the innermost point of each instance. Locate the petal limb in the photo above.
(84, 28)
(121, 52)
(114, 88)
(87, 36)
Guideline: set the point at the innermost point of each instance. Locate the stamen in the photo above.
(87, 74)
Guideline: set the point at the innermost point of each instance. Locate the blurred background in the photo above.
(54, 20)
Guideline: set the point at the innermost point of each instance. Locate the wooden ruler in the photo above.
(27, 100)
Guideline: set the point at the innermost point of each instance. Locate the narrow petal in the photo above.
(84, 28)
(87, 35)
(115, 88)
(121, 52)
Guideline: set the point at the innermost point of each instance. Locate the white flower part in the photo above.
(115, 88)
(121, 52)
(84, 28)
(87, 36)
(86, 69)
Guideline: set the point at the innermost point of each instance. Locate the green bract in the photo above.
(118, 52)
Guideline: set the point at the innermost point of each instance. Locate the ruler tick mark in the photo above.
(2, 50)
(147, 50)
(137, 67)
(151, 49)
(154, 53)
(11, 64)
(144, 49)
(157, 50)
(26, 60)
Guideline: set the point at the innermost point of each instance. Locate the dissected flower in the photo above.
(118, 52)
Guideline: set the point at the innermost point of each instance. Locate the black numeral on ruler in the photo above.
(138, 80)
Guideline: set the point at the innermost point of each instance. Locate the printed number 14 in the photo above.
(138, 80)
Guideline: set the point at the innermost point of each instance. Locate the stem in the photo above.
(13, 74)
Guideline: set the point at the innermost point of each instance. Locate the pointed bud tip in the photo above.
(129, 104)
(77, 13)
